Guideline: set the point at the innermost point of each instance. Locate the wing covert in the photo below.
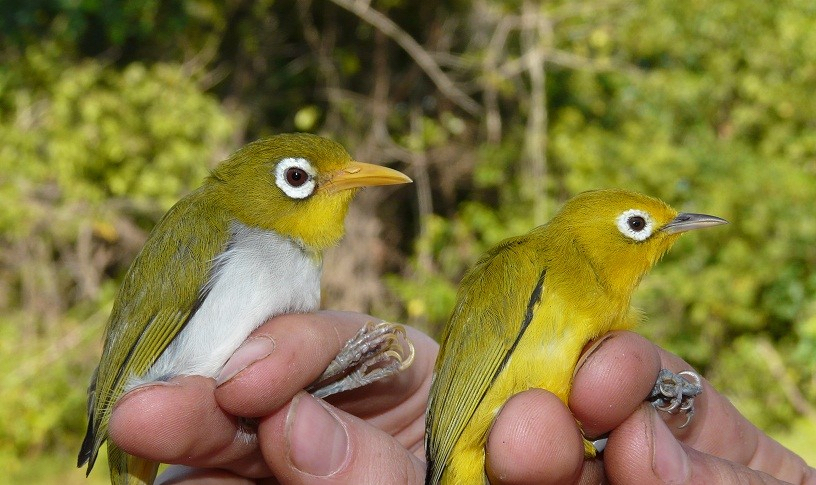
(160, 293)
(483, 330)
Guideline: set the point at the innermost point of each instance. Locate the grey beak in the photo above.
(686, 221)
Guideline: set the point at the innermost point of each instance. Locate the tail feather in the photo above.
(86, 452)
(90, 447)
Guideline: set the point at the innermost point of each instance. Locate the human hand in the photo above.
(374, 434)
(369, 435)
(535, 440)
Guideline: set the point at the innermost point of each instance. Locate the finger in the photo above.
(719, 429)
(178, 474)
(644, 450)
(270, 368)
(281, 357)
(312, 442)
(397, 404)
(617, 374)
(180, 422)
(613, 378)
(535, 440)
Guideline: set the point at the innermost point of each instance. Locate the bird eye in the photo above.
(635, 224)
(296, 177)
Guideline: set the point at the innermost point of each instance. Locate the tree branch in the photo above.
(536, 33)
(423, 59)
(777, 367)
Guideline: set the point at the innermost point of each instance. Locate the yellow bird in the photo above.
(529, 306)
(245, 246)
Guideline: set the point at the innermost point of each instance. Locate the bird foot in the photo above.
(377, 351)
(675, 393)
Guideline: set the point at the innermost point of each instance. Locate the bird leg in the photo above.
(675, 393)
(377, 351)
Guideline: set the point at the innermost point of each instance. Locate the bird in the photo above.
(243, 247)
(527, 308)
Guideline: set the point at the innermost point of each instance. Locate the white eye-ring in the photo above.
(296, 177)
(635, 224)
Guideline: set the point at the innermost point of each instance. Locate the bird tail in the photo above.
(127, 469)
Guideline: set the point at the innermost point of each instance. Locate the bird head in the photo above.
(623, 233)
(298, 185)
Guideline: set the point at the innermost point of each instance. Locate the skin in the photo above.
(191, 422)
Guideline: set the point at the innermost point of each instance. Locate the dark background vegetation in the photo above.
(499, 110)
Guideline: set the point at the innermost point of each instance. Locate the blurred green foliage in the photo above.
(111, 110)
(90, 156)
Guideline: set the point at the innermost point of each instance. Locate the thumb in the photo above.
(311, 442)
(643, 450)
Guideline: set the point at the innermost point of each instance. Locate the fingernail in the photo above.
(591, 350)
(251, 351)
(318, 442)
(670, 461)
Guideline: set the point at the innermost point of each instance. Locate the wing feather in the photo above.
(483, 330)
(161, 291)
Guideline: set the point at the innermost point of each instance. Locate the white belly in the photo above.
(261, 275)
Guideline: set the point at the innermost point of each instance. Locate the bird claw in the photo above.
(598, 445)
(675, 393)
(375, 352)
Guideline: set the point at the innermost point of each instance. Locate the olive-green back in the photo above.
(160, 293)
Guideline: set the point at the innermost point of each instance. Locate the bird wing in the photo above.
(494, 307)
(162, 290)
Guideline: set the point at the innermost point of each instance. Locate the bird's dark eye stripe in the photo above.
(636, 223)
